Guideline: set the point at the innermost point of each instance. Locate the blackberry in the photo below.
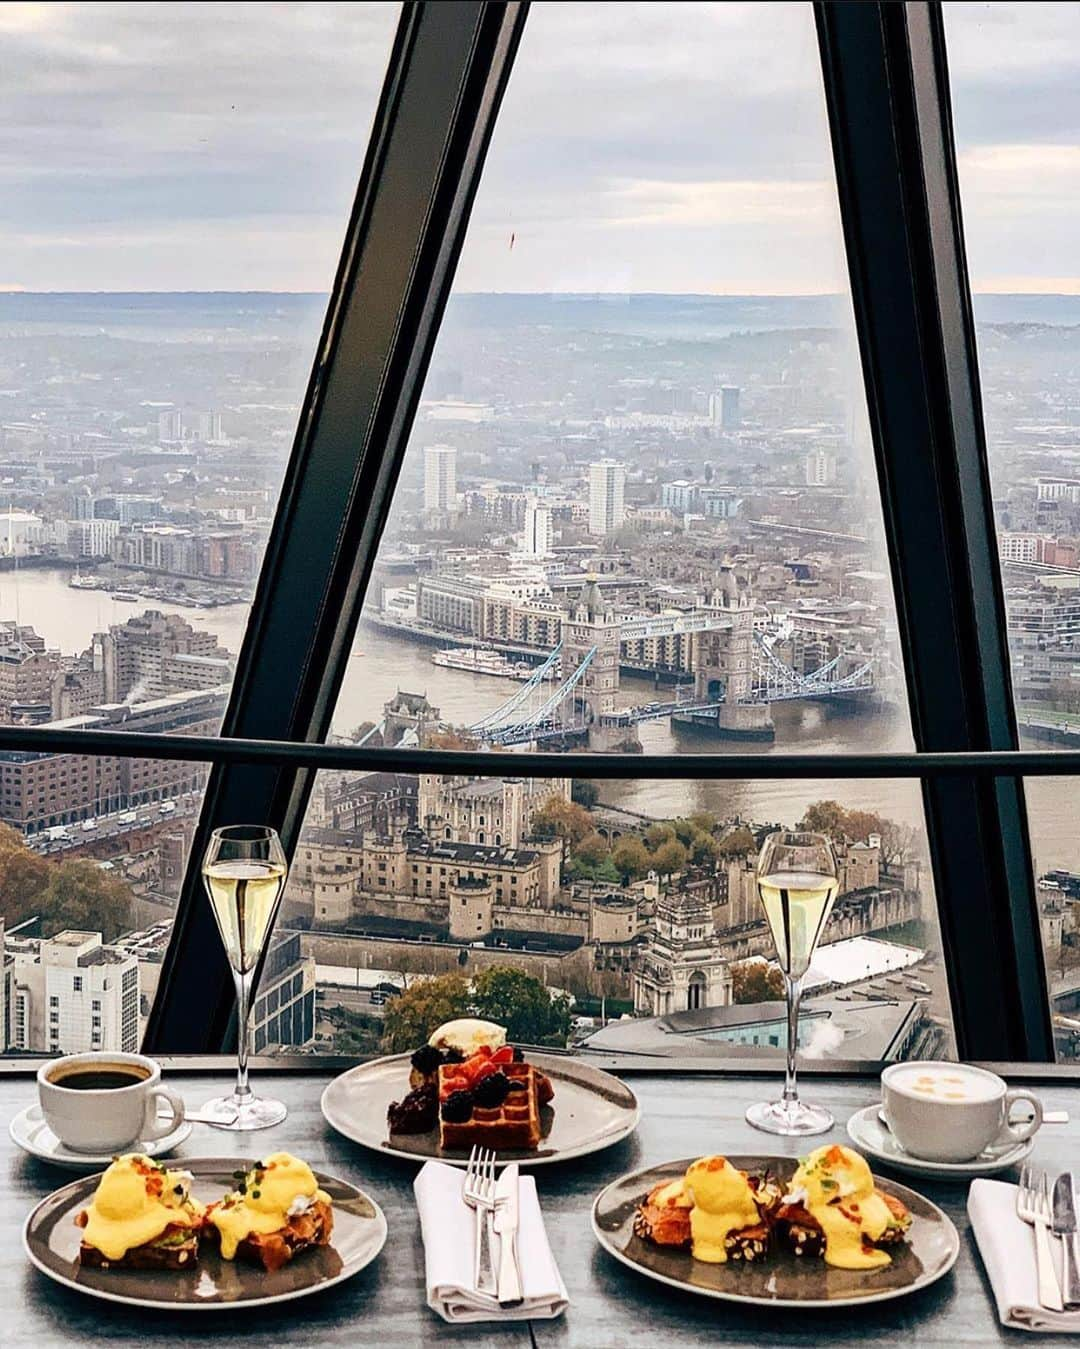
(426, 1060)
(519, 1057)
(417, 1113)
(492, 1091)
(452, 1056)
(515, 1084)
(458, 1107)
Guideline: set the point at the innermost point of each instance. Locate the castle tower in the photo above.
(681, 968)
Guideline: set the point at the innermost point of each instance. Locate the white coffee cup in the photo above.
(109, 1116)
(950, 1112)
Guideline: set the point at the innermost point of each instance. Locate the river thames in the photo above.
(382, 663)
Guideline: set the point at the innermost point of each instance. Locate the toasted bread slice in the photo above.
(801, 1233)
(271, 1250)
(177, 1248)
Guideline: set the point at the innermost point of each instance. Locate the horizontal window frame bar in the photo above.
(676, 767)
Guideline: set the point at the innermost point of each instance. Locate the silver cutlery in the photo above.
(1064, 1226)
(1033, 1206)
(507, 1216)
(478, 1191)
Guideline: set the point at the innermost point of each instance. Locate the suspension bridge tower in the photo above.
(593, 627)
(723, 660)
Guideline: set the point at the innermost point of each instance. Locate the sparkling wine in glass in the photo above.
(797, 883)
(244, 873)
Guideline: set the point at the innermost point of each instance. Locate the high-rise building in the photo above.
(92, 538)
(155, 654)
(440, 478)
(724, 408)
(607, 481)
(170, 425)
(210, 426)
(539, 533)
(73, 994)
(820, 468)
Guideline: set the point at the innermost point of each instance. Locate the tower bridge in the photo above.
(737, 676)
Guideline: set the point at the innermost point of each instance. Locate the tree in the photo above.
(669, 857)
(358, 732)
(422, 1008)
(449, 739)
(592, 850)
(560, 818)
(521, 1003)
(80, 895)
(585, 793)
(657, 834)
(704, 821)
(684, 830)
(756, 981)
(630, 858)
(739, 843)
(704, 849)
(825, 817)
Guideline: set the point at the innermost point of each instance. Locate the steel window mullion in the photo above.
(448, 68)
(886, 87)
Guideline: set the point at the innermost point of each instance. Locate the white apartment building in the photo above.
(1058, 489)
(71, 994)
(820, 469)
(539, 535)
(440, 478)
(607, 484)
(1016, 547)
(92, 538)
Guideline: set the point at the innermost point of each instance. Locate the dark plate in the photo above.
(782, 1280)
(591, 1110)
(52, 1241)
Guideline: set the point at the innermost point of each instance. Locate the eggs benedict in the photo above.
(142, 1216)
(833, 1209)
(716, 1209)
(276, 1211)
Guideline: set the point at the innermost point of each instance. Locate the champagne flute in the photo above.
(244, 873)
(797, 883)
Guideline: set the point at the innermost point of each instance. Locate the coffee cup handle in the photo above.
(1025, 1128)
(155, 1127)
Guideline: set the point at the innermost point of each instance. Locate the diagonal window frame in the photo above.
(886, 87)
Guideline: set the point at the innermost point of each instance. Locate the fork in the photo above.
(478, 1191)
(1033, 1206)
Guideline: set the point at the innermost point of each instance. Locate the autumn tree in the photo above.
(898, 841)
(669, 857)
(592, 849)
(421, 1008)
(631, 859)
(449, 739)
(78, 894)
(521, 1003)
(756, 981)
(703, 849)
(739, 842)
(559, 818)
(657, 834)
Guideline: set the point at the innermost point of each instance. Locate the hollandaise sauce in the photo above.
(135, 1202)
(265, 1198)
(836, 1188)
(723, 1203)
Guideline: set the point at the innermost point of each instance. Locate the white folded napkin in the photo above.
(1007, 1247)
(448, 1227)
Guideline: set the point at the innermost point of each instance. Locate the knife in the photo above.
(1064, 1225)
(506, 1226)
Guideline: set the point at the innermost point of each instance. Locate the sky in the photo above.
(683, 148)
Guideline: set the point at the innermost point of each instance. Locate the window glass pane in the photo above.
(638, 511)
(1015, 71)
(173, 196)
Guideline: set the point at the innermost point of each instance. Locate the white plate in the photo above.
(869, 1134)
(29, 1130)
(591, 1110)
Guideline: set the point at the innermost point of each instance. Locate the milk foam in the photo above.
(949, 1083)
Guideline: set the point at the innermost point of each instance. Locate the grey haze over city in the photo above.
(638, 509)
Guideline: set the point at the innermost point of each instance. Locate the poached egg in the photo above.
(265, 1198)
(135, 1201)
(835, 1186)
(722, 1203)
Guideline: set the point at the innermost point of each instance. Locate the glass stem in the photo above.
(243, 1009)
(793, 989)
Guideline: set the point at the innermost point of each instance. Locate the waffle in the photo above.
(514, 1125)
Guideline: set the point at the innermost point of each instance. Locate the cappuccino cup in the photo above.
(950, 1112)
(104, 1102)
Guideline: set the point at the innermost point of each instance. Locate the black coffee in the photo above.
(107, 1077)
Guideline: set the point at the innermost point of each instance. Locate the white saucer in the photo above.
(871, 1135)
(29, 1130)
